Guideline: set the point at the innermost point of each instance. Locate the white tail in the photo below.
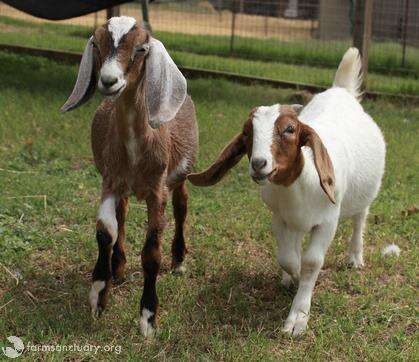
(349, 73)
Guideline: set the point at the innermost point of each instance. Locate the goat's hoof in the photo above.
(118, 280)
(296, 324)
(97, 298)
(147, 323)
(286, 281)
(356, 261)
(178, 268)
(97, 312)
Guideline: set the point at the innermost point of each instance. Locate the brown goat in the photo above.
(136, 150)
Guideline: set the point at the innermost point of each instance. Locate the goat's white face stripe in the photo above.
(107, 215)
(119, 26)
(111, 68)
(263, 125)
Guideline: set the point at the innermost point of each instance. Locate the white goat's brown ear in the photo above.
(228, 158)
(165, 86)
(322, 161)
(86, 80)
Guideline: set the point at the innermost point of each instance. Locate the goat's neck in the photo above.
(130, 115)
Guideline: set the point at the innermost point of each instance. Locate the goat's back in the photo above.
(354, 143)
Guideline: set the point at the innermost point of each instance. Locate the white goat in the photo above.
(333, 140)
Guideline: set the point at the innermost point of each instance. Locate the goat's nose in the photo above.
(258, 163)
(108, 81)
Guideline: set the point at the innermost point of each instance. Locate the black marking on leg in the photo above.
(118, 261)
(178, 248)
(150, 257)
(102, 270)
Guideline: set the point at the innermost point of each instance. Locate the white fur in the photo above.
(349, 74)
(146, 328)
(263, 124)
(118, 26)
(179, 269)
(107, 215)
(97, 287)
(182, 169)
(356, 147)
(391, 249)
(111, 69)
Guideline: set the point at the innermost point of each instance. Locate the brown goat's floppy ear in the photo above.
(227, 159)
(165, 88)
(86, 80)
(322, 161)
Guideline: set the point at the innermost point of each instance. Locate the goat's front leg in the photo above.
(151, 259)
(288, 251)
(106, 236)
(311, 263)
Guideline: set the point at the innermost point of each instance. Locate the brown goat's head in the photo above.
(115, 60)
(272, 138)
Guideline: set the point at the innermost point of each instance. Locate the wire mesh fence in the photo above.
(299, 41)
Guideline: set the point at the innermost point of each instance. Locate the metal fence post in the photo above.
(405, 29)
(111, 12)
(233, 25)
(363, 30)
(144, 11)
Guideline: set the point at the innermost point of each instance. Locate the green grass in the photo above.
(316, 60)
(229, 305)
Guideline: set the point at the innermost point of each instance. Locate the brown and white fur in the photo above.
(144, 141)
(315, 168)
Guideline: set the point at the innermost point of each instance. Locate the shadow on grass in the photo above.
(243, 300)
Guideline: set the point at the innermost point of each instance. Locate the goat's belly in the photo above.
(358, 197)
(362, 190)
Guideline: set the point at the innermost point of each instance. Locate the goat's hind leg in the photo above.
(118, 256)
(356, 244)
(106, 236)
(180, 211)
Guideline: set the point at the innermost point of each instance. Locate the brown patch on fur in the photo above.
(180, 210)
(135, 159)
(286, 150)
(322, 160)
(289, 136)
(118, 255)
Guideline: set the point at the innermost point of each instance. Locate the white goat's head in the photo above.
(272, 138)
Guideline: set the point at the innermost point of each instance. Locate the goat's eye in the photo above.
(289, 129)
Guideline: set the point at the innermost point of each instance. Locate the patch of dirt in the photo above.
(4, 28)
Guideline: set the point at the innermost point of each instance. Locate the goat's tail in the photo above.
(349, 74)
